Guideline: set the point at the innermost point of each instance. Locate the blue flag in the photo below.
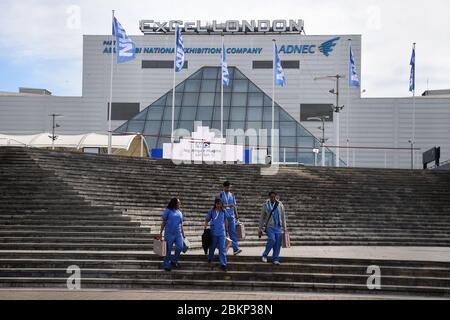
(179, 59)
(412, 77)
(125, 47)
(225, 73)
(280, 79)
(353, 75)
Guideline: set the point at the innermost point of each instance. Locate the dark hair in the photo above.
(172, 204)
(226, 184)
(272, 192)
(216, 201)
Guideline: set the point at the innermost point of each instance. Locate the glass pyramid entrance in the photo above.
(245, 106)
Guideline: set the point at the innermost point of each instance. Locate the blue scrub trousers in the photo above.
(274, 241)
(218, 242)
(232, 233)
(173, 239)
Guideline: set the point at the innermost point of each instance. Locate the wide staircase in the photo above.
(101, 212)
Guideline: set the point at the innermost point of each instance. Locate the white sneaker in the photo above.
(277, 263)
(264, 259)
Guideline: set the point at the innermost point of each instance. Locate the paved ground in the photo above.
(383, 253)
(39, 294)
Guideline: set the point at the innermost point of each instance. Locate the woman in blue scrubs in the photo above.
(218, 222)
(229, 203)
(172, 224)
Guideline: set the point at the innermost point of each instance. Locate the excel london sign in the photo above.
(229, 26)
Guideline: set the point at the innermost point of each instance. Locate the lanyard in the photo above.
(271, 206)
(227, 198)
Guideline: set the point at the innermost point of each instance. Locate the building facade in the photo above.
(374, 132)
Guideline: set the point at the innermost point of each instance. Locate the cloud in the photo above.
(50, 31)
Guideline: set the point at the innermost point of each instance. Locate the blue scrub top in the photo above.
(174, 220)
(217, 222)
(228, 199)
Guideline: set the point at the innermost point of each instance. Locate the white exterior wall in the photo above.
(373, 122)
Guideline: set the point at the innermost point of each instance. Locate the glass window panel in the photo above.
(216, 125)
(180, 87)
(209, 86)
(225, 88)
(288, 156)
(168, 113)
(217, 111)
(161, 141)
(166, 128)
(237, 113)
(160, 101)
(306, 142)
(204, 113)
(188, 113)
(301, 131)
(197, 75)
(239, 100)
(192, 86)
(187, 125)
(155, 113)
(226, 99)
(268, 125)
(255, 99)
(190, 99)
(255, 114)
(268, 114)
(206, 99)
(288, 128)
(135, 126)
(141, 115)
(210, 73)
(122, 128)
(178, 98)
(238, 75)
(288, 141)
(254, 125)
(284, 116)
(151, 142)
(267, 101)
(253, 88)
(240, 86)
(152, 127)
(237, 125)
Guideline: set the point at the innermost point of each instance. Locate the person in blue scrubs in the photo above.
(217, 220)
(273, 223)
(172, 224)
(229, 203)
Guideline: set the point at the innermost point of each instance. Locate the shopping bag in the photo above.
(160, 247)
(240, 231)
(186, 245)
(286, 240)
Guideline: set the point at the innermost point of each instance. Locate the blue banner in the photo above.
(280, 79)
(125, 47)
(412, 77)
(225, 73)
(180, 55)
(353, 74)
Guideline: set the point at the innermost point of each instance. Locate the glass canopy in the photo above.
(246, 106)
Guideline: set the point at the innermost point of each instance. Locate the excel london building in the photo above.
(374, 132)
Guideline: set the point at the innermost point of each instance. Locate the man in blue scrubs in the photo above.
(229, 203)
(172, 224)
(273, 223)
(218, 222)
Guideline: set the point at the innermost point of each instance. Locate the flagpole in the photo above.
(172, 138)
(111, 91)
(348, 103)
(221, 92)
(273, 100)
(414, 106)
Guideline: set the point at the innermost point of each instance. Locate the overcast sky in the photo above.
(41, 40)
